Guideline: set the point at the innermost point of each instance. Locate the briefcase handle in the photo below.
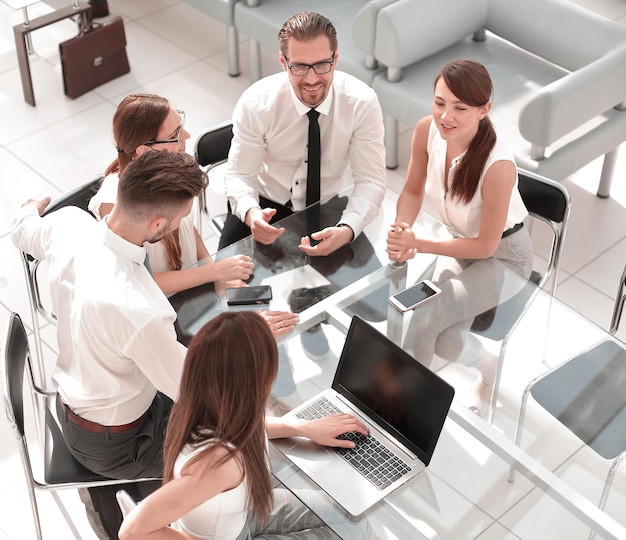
(91, 25)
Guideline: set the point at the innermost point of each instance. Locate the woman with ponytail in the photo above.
(468, 179)
(143, 123)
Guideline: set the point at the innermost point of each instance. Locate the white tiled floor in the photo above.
(180, 53)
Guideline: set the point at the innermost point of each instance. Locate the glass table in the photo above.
(358, 279)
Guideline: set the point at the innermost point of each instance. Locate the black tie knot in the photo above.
(313, 114)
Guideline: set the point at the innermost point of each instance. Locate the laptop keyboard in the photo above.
(370, 457)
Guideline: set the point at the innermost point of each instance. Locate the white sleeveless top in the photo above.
(463, 219)
(222, 517)
(158, 257)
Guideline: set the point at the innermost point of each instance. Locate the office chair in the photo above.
(210, 150)
(586, 394)
(80, 197)
(547, 202)
(59, 469)
(125, 502)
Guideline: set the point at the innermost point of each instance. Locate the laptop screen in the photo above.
(405, 398)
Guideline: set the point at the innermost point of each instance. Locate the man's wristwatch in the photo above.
(346, 225)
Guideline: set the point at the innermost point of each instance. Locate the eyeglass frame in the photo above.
(180, 131)
(308, 67)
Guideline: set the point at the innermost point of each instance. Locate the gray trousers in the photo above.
(134, 454)
(468, 288)
(292, 519)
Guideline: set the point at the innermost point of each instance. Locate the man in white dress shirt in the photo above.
(266, 175)
(119, 362)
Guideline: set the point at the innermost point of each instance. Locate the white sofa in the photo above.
(559, 74)
(261, 20)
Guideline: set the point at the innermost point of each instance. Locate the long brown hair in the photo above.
(136, 121)
(229, 369)
(470, 82)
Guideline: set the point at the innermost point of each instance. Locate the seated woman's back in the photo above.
(224, 515)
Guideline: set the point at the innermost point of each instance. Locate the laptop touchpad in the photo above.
(312, 456)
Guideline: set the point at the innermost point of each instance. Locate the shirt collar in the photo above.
(322, 108)
(125, 248)
(457, 159)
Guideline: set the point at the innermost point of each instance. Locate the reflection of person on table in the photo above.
(144, 122)
(217, 482)
(266, 175)
(470, 178)
(390, 398)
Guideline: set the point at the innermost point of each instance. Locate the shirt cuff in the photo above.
(344, 224)
(24, 211)
(243, 205)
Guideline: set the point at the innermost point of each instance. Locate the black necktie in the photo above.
(313, 160)
(146, 263)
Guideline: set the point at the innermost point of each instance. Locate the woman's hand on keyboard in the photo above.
(325, 430)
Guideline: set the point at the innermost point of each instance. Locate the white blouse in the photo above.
(463, 219)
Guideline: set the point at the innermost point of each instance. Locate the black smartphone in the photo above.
(243, 296)
(414, 296)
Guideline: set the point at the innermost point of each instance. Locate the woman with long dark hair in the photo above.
(217, 482)
(468, 177)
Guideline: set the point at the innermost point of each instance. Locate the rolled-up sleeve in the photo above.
(34, 234)
(367, 162)
(31, 233)
(158, 355)
(245, 160)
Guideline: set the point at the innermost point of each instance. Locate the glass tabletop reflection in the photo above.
(358, 279)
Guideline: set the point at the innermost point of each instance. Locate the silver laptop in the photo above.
(403, 403)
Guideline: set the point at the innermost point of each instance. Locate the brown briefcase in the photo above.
(96, 56)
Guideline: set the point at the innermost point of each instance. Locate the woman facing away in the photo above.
(217, 482)
(469, 177)
(144, 122)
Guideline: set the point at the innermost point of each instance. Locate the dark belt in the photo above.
(512, 230)
(87, 425)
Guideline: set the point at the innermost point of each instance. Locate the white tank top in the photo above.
(463, 219)
(220, 518)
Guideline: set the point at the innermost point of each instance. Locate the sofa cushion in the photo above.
(557, 30)
(409, 31)
(364, 25)
(516, 77)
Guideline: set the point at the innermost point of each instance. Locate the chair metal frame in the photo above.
(549, 202)
(616, 316)
(79, 196)
(210, 150)
(125, 502)
(60, 469)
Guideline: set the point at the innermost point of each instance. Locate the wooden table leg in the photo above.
(22, 33)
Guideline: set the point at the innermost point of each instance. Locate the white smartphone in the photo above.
(414, 296)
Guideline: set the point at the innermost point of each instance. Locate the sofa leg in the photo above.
(255, 60)
(604, 188)
(391, 141)
(232, 39)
